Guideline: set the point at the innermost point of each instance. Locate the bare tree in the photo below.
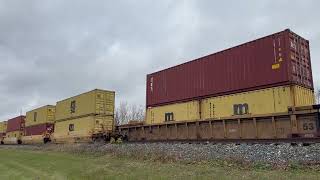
(317, 96)
(141, 113)
(117, 117)
(133, 112)
(121, 116)
(136, 113)
(126, 113)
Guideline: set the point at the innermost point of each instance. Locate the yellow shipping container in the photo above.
(35, 139)
(264, 101)
(3, 127)
(40, 115)
(82, 129)
(173, 112)
(13, 137)
(95, 102)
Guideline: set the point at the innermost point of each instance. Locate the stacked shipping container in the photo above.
(15, 129)
(3, 129)
(39, 124)
(81, 117)
(263, 101)
(281, 60)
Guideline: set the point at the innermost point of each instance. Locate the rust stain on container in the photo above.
(279, 59)
(16, 124)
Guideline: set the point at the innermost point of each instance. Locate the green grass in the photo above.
(26, 164)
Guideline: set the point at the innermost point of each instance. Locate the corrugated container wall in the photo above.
(83, 127)
(40, 115)
(3, 129)
(279, 59)
(3, 126)
(13, 136)
(96, 102)
(39, 129)
(16, 124)
(257, 102)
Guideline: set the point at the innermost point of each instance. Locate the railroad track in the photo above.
(292, 141)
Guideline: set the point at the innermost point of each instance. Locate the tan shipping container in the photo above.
(173, 112)
(95, 102)
(263, 101)
(3, 130)
(82, 129)
(35, 139)
(13, 137)
(3, 127)
(40, 115)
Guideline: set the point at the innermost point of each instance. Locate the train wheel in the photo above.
(99, 139)
(125, 138)
(46, 140)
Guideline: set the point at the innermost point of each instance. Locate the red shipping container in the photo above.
(39, 129)
(279, 59)
(16, 124)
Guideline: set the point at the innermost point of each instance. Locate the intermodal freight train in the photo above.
(260, 90)
(82, 118)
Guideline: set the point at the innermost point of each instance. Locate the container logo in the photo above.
(151, 84)
(308, 126)
(276, 66)
(277, 53)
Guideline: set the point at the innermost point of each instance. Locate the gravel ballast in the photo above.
(253, 153)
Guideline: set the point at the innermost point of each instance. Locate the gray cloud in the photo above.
(50, 50)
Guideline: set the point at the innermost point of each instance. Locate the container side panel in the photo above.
(262, 63)
(96, 102)
(3, 126)
(83, 127)
(76, 106)
(258, 102)
(174, 112)
(14, 134)
(80, 127)
(16, 124)
(13, 137)
(40, 115)
(39, 129)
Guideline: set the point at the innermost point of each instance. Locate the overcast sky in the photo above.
(51, 50)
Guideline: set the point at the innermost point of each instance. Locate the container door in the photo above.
(100, 103)
(300, 61)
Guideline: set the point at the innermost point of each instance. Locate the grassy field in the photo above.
(26, 164)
